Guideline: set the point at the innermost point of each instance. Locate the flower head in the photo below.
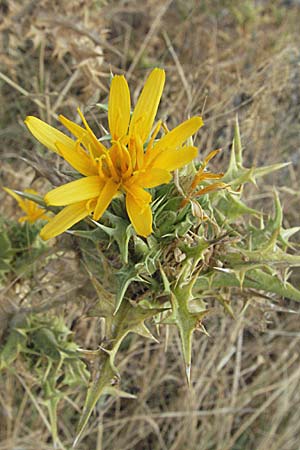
(33, 212)
(135, 161)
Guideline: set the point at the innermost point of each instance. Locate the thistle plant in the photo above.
(167, 239)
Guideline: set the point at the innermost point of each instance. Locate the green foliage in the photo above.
(46, 346)
(20, 246)
(6, 253)
(210, 250)
(207, 245)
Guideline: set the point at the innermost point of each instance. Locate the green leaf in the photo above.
(4, 266)
(99, 387)
(260, 279)
(92, 235)
(185, 320)
(120, 231)
(16, 342)
(5, 247)
(128, 319)
(254, 279)
(45, 342)
(232, 208)
(236, 173)
(126, 276)
(237, 143)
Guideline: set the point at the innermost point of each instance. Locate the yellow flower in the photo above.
(201, 176)
(33, 212)
(130, 165)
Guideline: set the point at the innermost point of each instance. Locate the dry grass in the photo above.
(221, 58)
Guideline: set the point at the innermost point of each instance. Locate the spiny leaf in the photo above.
(114, 392)
(6, 251)
(237, 143)
(262, 171)
(128, 319)
(232, 208)
(236, 173)
(226, 305)
(255, 279)
(275, 223)
(45, 342)
(106, 302)
(185, 320)
(285, 235)
(121, 231)
(95, 235)
(141, 249)
(15, 343)
(95, 391)
(270, 253)
(126, 276)
(53, 397)
(235, 156)
(246, 175)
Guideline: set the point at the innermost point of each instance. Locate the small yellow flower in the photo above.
(131, 164)
(201, 176)
(33, 212)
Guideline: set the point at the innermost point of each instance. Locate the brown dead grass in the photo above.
(222, 59)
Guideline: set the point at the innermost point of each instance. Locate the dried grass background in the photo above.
(222, 58)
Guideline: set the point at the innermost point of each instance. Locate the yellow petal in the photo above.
(78, 159)
(47, 135)
(73, 127)
(145, 111)
(74, 192)
(141, 218)
(14, 195)
(97, 148)
(151, 178)
(31, 191)
(24, 219)
(176, 137)
(118, 107)
(64, 220)
(174, 159)
(107, 194)
(210, 188)
(141, 196)
(84, 136)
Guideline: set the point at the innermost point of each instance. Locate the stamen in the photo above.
(121, 157)
(100, 167)
(128, 172)
(166, 129)
(79, 149)
(111, 167)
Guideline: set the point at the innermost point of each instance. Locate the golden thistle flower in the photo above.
(33, 212)
(125, 167)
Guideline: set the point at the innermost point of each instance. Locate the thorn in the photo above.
(76, 440)
(188, 374)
